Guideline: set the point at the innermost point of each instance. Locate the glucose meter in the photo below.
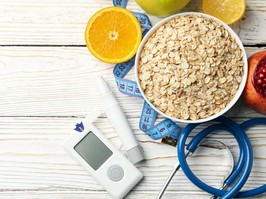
(102, 160)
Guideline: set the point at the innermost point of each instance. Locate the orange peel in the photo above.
(113, 34)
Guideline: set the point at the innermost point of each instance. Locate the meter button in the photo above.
(115, 173)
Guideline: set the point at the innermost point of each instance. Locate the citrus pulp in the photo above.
(229, 11)
(113, 35)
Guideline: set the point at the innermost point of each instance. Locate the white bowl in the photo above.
(241, 86)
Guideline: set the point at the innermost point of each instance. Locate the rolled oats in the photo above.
(191, 67)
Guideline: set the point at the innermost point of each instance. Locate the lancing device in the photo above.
(119, 121)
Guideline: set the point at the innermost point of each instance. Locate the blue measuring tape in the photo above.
(166, 130)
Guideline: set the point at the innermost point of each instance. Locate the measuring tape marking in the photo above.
(120, 3)
(126, 86)
(143, 20)
(166, 129)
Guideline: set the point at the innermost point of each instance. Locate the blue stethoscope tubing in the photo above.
(241, 171)
(247, 152)
(192, 146)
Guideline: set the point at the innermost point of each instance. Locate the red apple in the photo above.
(254, 93)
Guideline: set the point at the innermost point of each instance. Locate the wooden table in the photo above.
(47, 85)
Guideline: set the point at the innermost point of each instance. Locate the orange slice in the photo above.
(113, 35)
(229, 11)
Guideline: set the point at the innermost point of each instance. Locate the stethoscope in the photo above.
(240, 172)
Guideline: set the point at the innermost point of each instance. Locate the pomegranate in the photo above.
(254, 93)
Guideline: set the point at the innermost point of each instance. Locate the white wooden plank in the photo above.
(62, 22)
(42, 81)
(33, 162)
(48, 22)
(88, 195)
(98, 195)
(59, 82)
(252, 28)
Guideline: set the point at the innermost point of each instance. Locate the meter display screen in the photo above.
(93, 150)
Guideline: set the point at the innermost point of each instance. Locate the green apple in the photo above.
(162, 8)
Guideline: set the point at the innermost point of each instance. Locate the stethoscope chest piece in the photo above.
(240, 170)
(215, 148)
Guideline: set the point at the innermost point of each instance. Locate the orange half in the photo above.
(229, 11)
(113, 35)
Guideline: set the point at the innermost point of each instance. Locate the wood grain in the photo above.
(62, 22)
(49, 81)
(47, 85)
(32, 160)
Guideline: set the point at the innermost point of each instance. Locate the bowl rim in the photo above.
(240, 88)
